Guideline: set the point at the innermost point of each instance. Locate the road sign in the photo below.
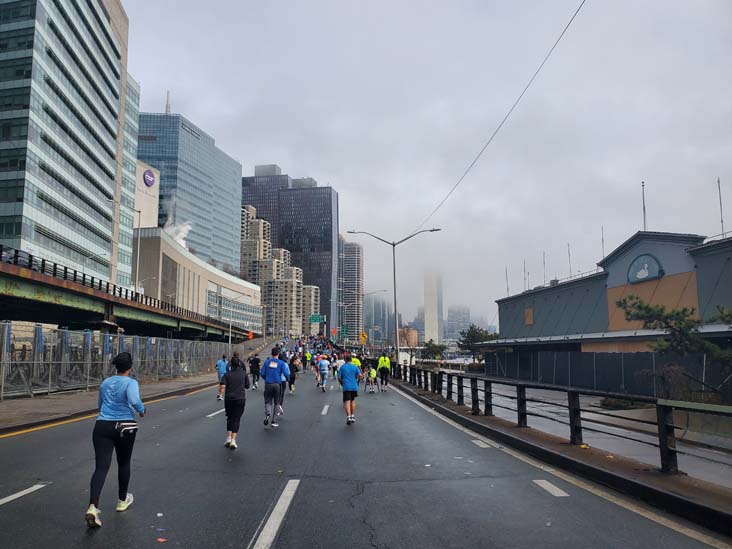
(316, 318)
(364, 338)
(344, 331)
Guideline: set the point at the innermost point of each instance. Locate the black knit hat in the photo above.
(122, 362)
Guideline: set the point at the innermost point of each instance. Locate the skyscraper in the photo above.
(200, 187)
(304, 220)
(352, 269)
(433, 314)
(458, 319)
(64, 96)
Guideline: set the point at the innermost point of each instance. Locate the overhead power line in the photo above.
(505, 118)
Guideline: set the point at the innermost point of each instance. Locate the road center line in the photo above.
(216, 413)
(22, 493)
(325, 409)
(553, 490)
(272, 527)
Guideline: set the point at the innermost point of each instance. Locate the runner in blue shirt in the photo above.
(221, 368)
(323, 365)
(348, 376)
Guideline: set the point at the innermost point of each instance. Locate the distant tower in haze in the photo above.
(433, 329)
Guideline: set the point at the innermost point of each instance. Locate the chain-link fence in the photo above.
(690, 377)
(37, 359)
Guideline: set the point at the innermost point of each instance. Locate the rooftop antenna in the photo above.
(721, 211)
(543, 261)
(167, 102)
(508, 292)
(524, 274)
(645, 220)
(569, 259)
(602, 230)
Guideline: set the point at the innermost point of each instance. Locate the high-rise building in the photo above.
(200, 187)
(285, 305)
(352, 269)
(64, 99)
(378, 319)
(418, 324)
(433, 314)
(304, 220)
(458, 319)
(310, 306)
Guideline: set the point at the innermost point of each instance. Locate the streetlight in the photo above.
(88, 257)
(140, 284)
(139, 227)
(231, 315)
(393, 245)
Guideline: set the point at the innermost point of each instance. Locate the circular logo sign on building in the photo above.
(148, 177)
(644, 267)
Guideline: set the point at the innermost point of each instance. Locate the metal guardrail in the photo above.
(453, 387)
(20, 258)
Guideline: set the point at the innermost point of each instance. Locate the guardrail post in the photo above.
(475, 403)
(87, 356)
(449, 387)
(488, 397)
(667, 438)
(575, 417)
(440, 380)
(521, 406)
(419, 378)
(460, 395)
(4, 354)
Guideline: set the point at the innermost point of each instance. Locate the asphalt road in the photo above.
(399, 477)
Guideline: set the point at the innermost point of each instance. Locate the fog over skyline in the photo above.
(389, 102)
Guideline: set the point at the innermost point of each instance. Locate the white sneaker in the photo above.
(280, 411)
(93, 517)
(228, 442)
(123, 505)
(233, 445)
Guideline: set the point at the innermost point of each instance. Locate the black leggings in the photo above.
(234, 410)
(106, 440)
(384, 375)
(255, 376)
(291, 381)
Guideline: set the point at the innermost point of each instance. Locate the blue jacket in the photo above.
(222, 366)
(119, 397)
(273, 369)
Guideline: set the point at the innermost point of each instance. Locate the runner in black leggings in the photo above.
(114, 431)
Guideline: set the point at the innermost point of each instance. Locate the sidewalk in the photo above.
(22, 413)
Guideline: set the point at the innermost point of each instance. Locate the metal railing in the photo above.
(20, 258)
(34, 360)
(453, 387)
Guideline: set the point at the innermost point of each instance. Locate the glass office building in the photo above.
(263, 192)
(63, 79)
(200, 187)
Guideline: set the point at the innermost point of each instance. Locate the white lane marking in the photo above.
(553, 490)
(325, 409)
(216, 413)
(269, 532)
(480, 443)
(22, 493)
(620, 501)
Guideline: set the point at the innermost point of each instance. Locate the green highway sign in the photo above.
(316, 318)
(344, 331)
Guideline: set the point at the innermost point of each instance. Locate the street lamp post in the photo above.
(231, 317)
(393, 245)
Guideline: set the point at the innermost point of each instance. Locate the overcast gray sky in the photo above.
(389, 101)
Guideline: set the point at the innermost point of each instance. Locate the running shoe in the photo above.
(323, 388)
(275, 424)
(123, 505)
(353, 419)
(228, 442)
(233, 445)
(280, 410)
(266, 419)
(348, 420)
(93, 517)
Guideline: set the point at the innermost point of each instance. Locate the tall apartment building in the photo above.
(63, 69)
(352, 269)
(458, 319)
(304, 220)
(200, 186)
(433, 313)
(310, 306)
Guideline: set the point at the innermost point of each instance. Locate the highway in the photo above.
(400, 477)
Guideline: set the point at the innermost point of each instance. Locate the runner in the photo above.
(254, 365)
(283, 383)
(348, 376)
(221, 366)
(271, 373)
(372, 379)
(233, 384)
(384, 368)
(337, 364)
(114, 431)
(294, 369)
(323, 366)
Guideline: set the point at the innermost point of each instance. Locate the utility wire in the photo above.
(505, 118)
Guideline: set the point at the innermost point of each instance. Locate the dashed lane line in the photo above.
(620, 501)
(552, 489)
(268, 533)
(325, 409)
(217, 412)
(22, 493)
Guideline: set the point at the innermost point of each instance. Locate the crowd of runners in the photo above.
(119, 399)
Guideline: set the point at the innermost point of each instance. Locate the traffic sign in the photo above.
(316, 318)
(344, 331)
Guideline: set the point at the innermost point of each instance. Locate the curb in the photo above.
(80, 413)
(712, 518)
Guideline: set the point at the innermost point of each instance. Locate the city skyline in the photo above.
(529, 192)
